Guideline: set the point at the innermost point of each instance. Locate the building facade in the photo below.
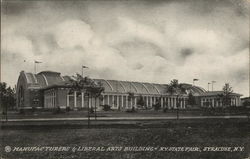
(50, 89)
(214, 99)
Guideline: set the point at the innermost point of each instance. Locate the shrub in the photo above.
(165, 110)
(106, 107)
(157, 106)
(57, 110)
(21, 111)
(67, 109)
(33, 109)
(131, 110)
(91, 110)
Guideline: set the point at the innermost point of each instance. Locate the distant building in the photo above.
(50, 89)
(213, 99)
(245, 101)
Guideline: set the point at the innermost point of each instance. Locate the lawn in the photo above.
(189, 134)
(139, 113)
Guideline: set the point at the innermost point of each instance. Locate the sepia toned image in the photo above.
(129, 79)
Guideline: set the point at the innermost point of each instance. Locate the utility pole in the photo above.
(213, 85)
(208, 86)
(195, 79)
(83, 68)
(35, 63)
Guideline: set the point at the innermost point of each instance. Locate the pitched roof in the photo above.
(49, 79)
(216, 93)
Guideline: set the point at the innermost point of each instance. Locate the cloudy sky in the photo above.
(150, 41)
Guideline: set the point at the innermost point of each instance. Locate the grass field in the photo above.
(139, 113)
(190, 134)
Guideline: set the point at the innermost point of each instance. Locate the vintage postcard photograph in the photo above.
(124, 79)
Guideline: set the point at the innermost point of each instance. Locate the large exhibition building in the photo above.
(50, 89)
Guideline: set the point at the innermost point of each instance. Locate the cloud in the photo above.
(152, 42)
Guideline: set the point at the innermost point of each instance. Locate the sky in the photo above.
(133, 40)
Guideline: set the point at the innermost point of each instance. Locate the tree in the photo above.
(7, 97)
(89, 86)
(175, 88)
(157, 105)
(141, 102)
(246, 103)
(225, 96)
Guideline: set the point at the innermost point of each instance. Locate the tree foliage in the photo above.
(175, 88)
(85, 84)
(131, 96)
(7, 96)
(141, 101)
(225, 96)
(246, 103)
(157, 105)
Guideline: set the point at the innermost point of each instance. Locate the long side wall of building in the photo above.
(217, 102)
(62, 98)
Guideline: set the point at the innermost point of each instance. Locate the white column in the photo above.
(168, 100)
(108, 99)
(171, 102)
(131, 102)
(82, 95)
(174, 102)
(237, 101)
(122, 101)
(56, 104)
(103, 99)
(164, 102)
(151, 101)
(118, 101)
(161, 102)
(126, 101)
(135, 102)
(112, 100)
(181, 103)
(67, 101)
(147, 101)
(90, 101)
